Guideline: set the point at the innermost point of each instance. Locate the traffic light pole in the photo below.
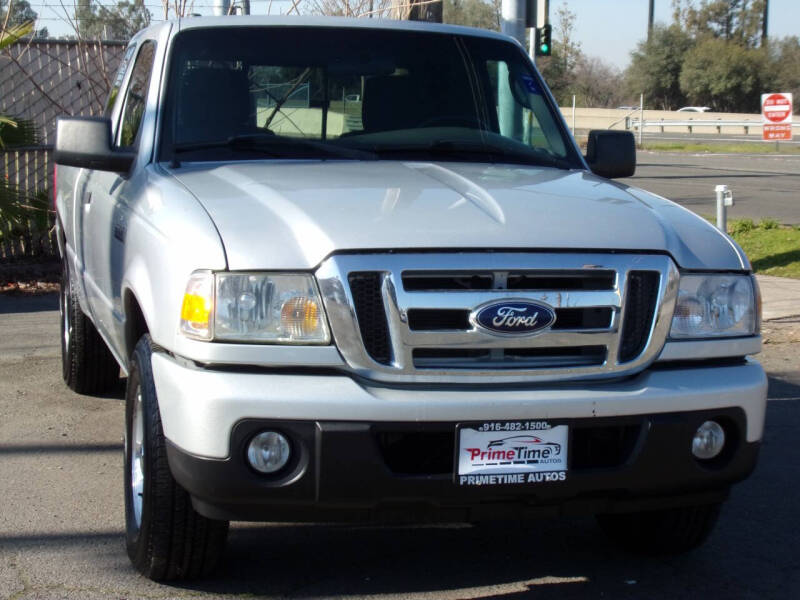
(513, 19)
(510, 112)
(517, 15)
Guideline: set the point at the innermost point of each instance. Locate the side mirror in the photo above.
(86, 142)
(611, 154)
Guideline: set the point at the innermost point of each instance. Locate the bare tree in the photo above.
(570, 49)
(349, 8)
(396, 9)
(597, 84)
(177, 8)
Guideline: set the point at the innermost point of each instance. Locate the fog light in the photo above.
(268, 452)
(708, 440)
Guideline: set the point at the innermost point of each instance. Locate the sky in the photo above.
(609, 29)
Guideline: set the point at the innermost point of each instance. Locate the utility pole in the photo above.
(764, 20)
(245, 7)
(221, 7)
(650, 17)
(509, 111)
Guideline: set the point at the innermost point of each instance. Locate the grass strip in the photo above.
(723, 147)
(773, 249)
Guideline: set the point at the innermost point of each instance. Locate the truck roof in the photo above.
(318, 21)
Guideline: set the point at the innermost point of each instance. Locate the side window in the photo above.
(136, 94)
(123, 66)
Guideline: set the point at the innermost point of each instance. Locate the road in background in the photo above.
(763, 186)
(61, 515)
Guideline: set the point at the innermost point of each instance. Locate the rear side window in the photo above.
(136, 94)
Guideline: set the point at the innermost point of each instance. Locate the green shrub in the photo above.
(742, 226)
(768, 224)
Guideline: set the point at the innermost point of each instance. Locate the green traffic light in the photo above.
(544, 48)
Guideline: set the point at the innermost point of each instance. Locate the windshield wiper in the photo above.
(272, 145)
(500, 154)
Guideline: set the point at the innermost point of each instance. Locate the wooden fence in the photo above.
(41, 80)
(29, 171)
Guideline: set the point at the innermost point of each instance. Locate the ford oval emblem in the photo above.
(514, 317)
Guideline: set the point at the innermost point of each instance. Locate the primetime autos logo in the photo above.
(528, 448)
(512, 459)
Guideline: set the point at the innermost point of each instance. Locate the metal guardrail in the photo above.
(691, 123)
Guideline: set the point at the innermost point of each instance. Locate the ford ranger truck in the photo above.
(359, 270)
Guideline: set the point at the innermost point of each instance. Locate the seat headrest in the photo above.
(212, 104)
(390, 102)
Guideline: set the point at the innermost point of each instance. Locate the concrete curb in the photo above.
(780, 296)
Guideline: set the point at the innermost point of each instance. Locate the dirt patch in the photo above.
(781, 331)
(29, 288)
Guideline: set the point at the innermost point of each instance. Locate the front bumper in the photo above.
(629, 442)
(356, 471)
(199, 407)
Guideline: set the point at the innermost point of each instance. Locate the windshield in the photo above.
(356, 94)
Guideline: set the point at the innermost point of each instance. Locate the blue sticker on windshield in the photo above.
(530, 85)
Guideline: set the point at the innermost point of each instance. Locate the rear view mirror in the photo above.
(86, 142)
(611, 154)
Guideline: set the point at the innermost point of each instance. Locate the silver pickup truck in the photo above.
(359, 270)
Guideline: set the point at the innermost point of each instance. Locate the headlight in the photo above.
(280, 308)
(715, 306)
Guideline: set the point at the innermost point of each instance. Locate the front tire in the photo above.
(166, 538)
(87, 365)
(661, 532)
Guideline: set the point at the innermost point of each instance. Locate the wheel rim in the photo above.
(137, 458)
(66, 326)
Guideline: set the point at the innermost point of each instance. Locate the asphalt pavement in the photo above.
(763, 186)
(61, 514)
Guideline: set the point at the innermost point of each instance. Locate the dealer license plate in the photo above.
(511, 452)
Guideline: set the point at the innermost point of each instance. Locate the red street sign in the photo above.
(776, 114)
(777, 132)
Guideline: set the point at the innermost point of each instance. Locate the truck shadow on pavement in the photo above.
(27, 303)
(567, 558)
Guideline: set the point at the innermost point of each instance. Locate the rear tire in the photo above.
(661, 532)
(167, 540)
(87, 365)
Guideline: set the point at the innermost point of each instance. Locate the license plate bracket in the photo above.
(511, 452)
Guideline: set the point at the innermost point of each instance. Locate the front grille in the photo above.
(366, 290)
(508, 358)
(416, 281)
(417, 452)
(410, 451)
(437, 282)
(602, 447)
(404, 317)
(431, 319)
(639, 312)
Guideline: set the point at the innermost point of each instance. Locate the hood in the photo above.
(292, 214)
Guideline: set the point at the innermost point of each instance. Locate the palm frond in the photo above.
(12, 34)
(17, 132)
